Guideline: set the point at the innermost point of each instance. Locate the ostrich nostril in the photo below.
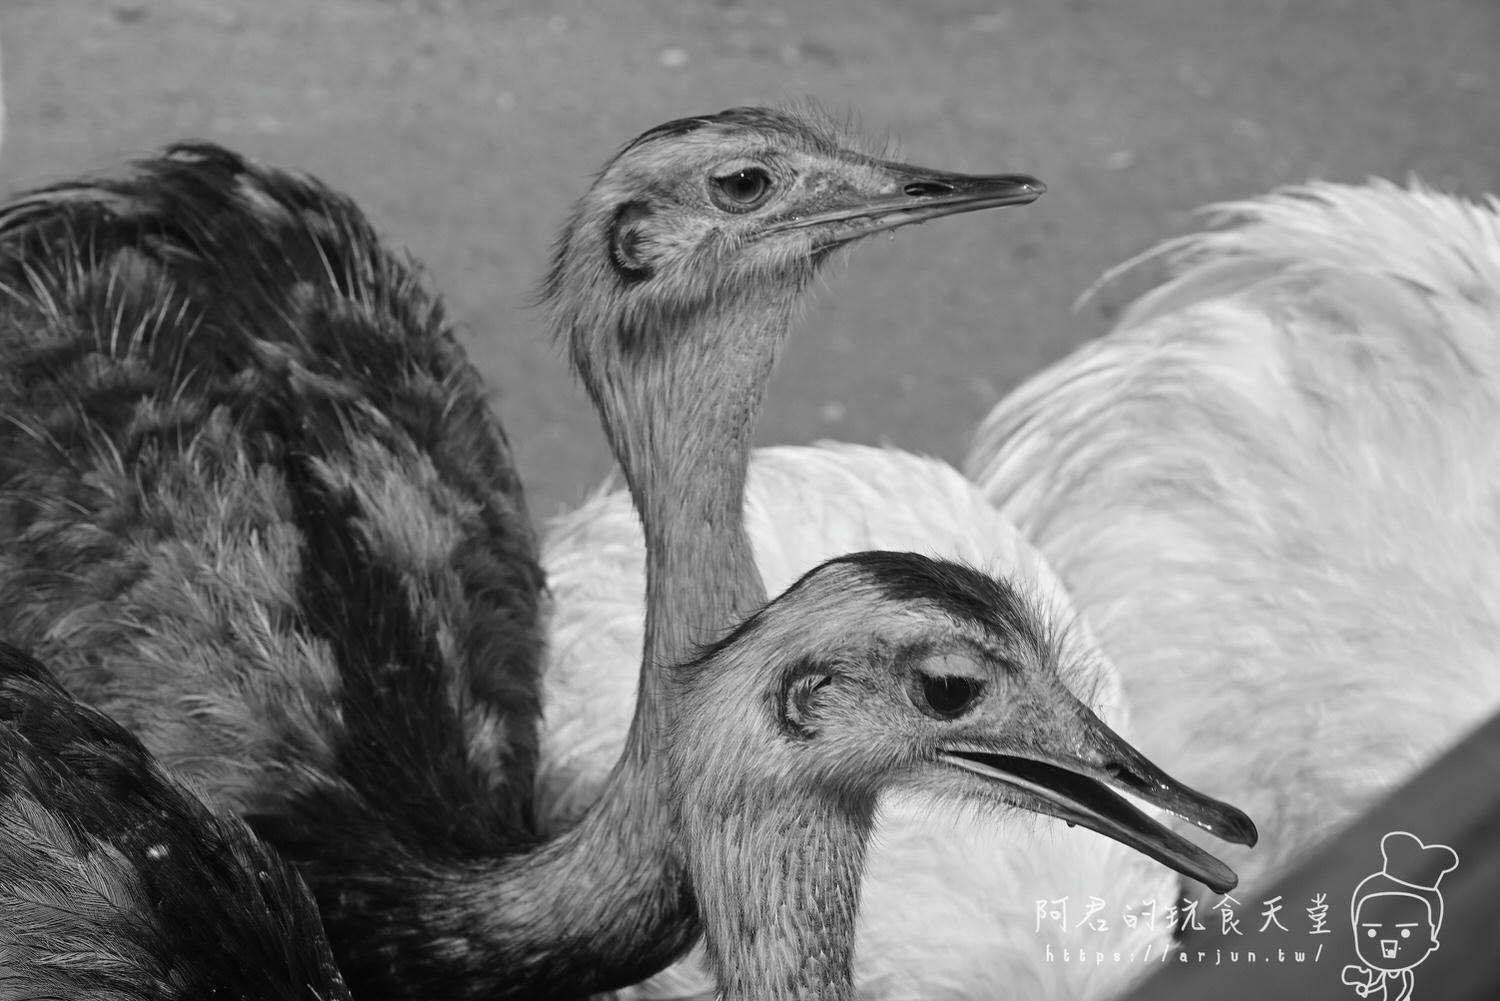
(919, 189)
(1124, 776)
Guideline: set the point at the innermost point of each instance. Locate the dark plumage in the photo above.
(962, 592)
(256, 506)
(116, 882)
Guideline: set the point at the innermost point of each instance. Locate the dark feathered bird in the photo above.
(253, 504)
(117, 883)
(256, 507)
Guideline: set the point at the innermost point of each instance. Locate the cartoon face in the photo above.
(1393, 931)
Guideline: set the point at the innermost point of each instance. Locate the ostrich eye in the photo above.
(742, 190)
(948, 696)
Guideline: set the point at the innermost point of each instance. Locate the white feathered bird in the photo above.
(1274, 492)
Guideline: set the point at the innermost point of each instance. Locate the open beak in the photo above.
(900, 195)
(1072, 773)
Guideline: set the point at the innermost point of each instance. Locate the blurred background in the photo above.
(466, 128)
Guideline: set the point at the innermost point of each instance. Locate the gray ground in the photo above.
(467, 126)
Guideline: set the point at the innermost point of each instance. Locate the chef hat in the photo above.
(1409, 866)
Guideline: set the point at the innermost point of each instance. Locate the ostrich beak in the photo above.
(1070, 768)
(885, 195)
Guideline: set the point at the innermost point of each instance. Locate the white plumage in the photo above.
(1274, 492)
(949, 906)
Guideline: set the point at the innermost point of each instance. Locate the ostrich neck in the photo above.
(778, 889)
(595, 909)
(608, 902)
(685, 451)
(701, 577)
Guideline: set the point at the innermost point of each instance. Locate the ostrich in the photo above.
(254, 506)
(875, 670)
(881, 670)
(116, 882)
(1272, 490)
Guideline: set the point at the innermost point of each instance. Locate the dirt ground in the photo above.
(466, 127)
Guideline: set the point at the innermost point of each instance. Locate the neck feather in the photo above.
(684, 446)
(596, 909)
(778, 887)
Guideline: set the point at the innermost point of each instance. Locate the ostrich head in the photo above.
(674, 281)
(879, 671)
